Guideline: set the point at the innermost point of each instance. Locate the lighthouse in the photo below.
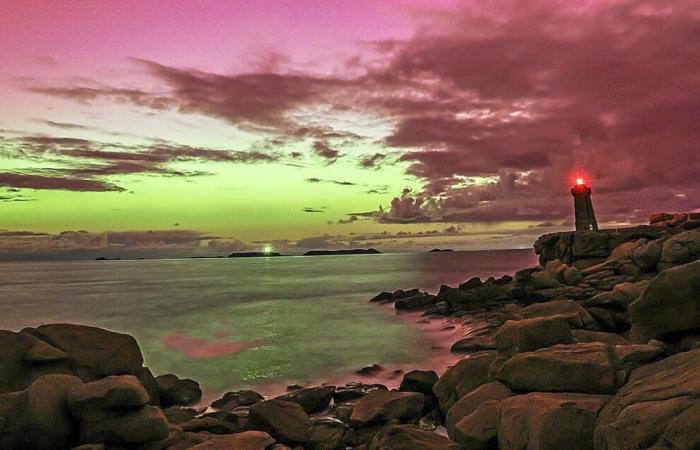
(583, 207)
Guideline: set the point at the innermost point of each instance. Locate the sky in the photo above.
(181, 128)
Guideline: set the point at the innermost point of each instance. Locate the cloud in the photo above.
(371, 161)
(338, 182)
(26, 181)
(313, 210)
(323, 150)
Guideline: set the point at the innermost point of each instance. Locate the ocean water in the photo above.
(249, 322)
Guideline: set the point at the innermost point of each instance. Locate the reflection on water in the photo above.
(232, 323)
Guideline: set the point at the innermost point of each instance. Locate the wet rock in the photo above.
(669, 305)
(659, 407)
(327, 433)
(353, 391)
(409, 437)
(286, 421)
(416, 302)
(548, 421)
(248, 440)
(381, 406)
(587, 368)
(92, 353)
(479, 429)
(382, 297)
(234, 399)
(473, 344)
(462, 378)
(470, 402)
(526, 335)
(37, 417)
(419, 381)
(312, 399)
(177, 392)
(370, 370)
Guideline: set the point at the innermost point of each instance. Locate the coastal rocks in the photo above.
(328, 433)
(113, 411)
(381, 406)
(548, 421)
(234, 399)
(91, 352)
(479, 430)
(659, 407)
(419, 381)
(669, 305)
(37, 418)
(26, 358)
(248, 440)
(473, 344)
(286, 421)
(390, 297)
(516, 336)
(575, 314)
(177, 392)
(680, 249)
(599, 336)
(354, 390)
(415, 302)
(409, 437)
(587, 368)
(312, 399)
(470, 403)
(462, 378)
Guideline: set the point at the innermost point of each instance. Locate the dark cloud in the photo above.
(26, 181)
(309, 209)
(62, 125)
(371, 161)
(338, 182)
(323, 150)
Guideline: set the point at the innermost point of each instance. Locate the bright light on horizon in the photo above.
(267, 249)
(579, 181)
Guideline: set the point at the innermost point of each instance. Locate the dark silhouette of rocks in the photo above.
(354, 251)
(439, 250)
(253, 255)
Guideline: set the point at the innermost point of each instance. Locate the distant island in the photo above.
(438, 250)
(354, 251)
(253, 254)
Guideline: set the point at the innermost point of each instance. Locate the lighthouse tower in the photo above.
(583, 207)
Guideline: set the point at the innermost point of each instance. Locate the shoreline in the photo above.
(570, 354)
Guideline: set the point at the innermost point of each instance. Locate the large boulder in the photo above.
(312, 399)
(37, 417)
(659, 407)
(576, 314)
(415, 303)
(328, 433)
(599, 336)
(479, 429)
(670, 304)
(419, 381)
(92, 352)
(586, 367)
(234, 399)
(470, 402)
(286, 421)
(516, 336)
(473, 344)
(548, 421)
(25, 358)
(680, 249)
(462, 378)
(381, 406)
(409, 437)
(248, 440)
(112, 411)
(174, 391)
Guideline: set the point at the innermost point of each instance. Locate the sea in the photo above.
(261, 323)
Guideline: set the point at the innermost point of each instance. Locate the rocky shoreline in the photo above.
(596, 348)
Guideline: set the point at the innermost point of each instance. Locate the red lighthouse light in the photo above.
(579, 181)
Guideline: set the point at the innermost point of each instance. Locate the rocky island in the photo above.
(598, 347)
(354, 251)
(253, 254)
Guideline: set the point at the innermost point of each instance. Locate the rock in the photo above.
(471, 283)
(113, 392)
(470, 402)
(473, 344)
(599, 336)
(669, 305)
(462, 378)
(131, 427)
(572, 276)
(209, 425)
(178, 414)
(659, 407)
(576, 314)
(382, 297)
(37, 417)
(419, 381)
(587, 368)
(248, 440)
(543, 279)
(621, 296)
(353, 391)
(632, 356)
(409, 437)
(177, 392)
(479, 430)
(232, 400)
(381, 406)
(327, 433)
(91, 352)
(548, 421)
(526, 335)
(681, 248)
(26, 358)
(149, 383)
(370, 370)
(415, 303)
(312, 399)
(286, 421)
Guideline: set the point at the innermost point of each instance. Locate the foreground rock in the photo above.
(312, 399)
(464, 377)
(248, 440)
(381, 406)
(547, 421)
(472, 401)
(286, 421)
(587, 368)
(659, 407)
(176, 392)
(526, 335)
(669, 305)
(409, 437)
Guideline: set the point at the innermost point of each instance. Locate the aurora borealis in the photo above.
(192, 128)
